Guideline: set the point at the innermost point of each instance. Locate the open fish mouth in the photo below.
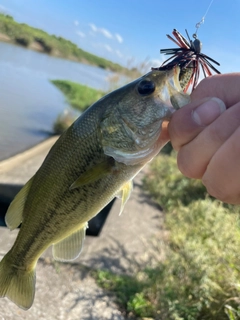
(185, 76)
(182, 75)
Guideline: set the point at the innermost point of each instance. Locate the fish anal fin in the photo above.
(124, 194)
(97, 172)
(70, 248)
(14, 214)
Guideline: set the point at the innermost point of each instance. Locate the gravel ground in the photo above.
(68, 292)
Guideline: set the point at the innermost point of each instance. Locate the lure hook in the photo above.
(188, 56)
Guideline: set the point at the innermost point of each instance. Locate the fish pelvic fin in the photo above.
(18, 285)
(70, 247)
(14, 214)
(124, 194)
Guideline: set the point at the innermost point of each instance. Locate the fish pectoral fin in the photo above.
(124, 194)
(70, 248)
(95, 173)
(14, 214)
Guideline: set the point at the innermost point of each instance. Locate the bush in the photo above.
(201, 272)
(24, 40)
(64, 120)
(200, 275)
(46, 45)
(168, 187)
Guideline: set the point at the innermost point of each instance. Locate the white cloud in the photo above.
(119, 54)
(76, 22)
(93, 27)
(103, 31)
(108, 48)
(106, 33)
(81, 34)
(119, 38)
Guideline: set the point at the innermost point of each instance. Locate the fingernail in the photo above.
(207, 112)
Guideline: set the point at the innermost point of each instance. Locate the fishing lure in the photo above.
(188, 56)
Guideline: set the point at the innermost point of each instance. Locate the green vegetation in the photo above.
(23, 34)
(168, 187)
(200, 275)
(128, 291)
(78, 96)
(63, 121)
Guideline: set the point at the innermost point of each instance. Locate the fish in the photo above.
(93, 161)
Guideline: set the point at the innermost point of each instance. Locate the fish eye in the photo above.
(146, 87)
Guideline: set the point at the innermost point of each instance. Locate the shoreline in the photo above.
(30, 152)
(17, 170)
(28, 147)
(35, 46)
(5, 38)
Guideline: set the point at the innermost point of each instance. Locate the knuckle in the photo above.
(217, 190)
(187, 165)
(215, 134)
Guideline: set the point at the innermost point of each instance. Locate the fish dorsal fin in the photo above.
(97, 172)
(124, 194)
(70, 248)
(14, 214)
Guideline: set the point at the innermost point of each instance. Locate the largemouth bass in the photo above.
(92, 162)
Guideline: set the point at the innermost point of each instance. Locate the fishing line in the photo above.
(202, 20)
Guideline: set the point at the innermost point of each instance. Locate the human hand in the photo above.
(207, 136)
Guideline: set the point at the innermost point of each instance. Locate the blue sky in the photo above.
(131, 31)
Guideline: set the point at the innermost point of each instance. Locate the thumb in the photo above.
(190, 120)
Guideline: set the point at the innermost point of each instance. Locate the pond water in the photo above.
(29, 103)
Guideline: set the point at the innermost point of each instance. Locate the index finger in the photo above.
(223, 86)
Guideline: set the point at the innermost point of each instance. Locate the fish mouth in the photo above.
(184, 74)
(182, 77)
(185, 77)
(179, 81)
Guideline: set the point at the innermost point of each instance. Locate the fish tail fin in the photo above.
(17, 284)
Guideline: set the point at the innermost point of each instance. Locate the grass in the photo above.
(25, 35)
(79, 96)
(200, 275)
(128, 291)
(168, 187)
